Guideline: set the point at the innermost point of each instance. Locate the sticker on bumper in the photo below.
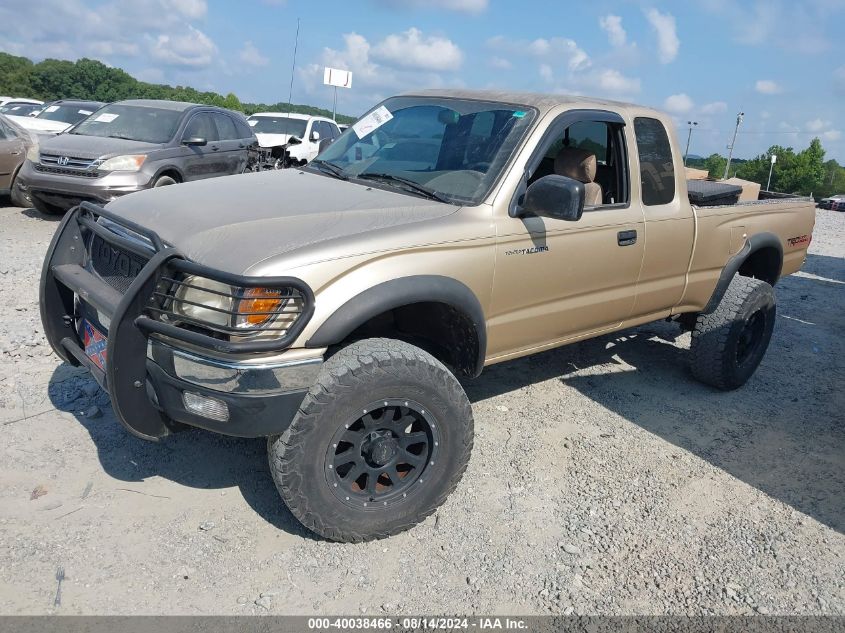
(95, 344)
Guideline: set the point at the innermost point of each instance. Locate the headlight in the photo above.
(204, 300)
(32, 153)
(129, 162)
(207, 301)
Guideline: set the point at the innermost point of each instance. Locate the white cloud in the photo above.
(553, 51)
(767, 87)
(831, 135)
(251, 56)
(614, 82)
(678, 104)
(716, 107)
(193, 9)
(816, 125)
(567, 67)
(667, 36)
(411, 49)
(192, 48)
(612, 25)
(500, 63)
(461, 6)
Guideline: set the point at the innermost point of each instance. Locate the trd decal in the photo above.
(528, 251)
(801, 239)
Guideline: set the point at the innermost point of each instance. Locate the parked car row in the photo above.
(834, 203)
(57, 116)
(68, 151)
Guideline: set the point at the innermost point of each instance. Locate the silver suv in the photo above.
(133, 145)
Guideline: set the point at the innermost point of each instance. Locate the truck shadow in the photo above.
(193, 458)
(782, 433)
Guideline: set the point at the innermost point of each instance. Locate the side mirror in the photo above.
(198, 141)
(556, 197)
(315, 135)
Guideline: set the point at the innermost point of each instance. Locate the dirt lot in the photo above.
(604, 480)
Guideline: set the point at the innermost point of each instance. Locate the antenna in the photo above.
(293, 68)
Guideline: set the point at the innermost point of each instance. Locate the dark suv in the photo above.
(133, 145)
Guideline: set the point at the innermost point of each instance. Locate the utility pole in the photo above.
(733, 142)
(689, 136)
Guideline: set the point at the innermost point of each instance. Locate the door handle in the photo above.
(16, 153)
(215, 148)
(626, 238)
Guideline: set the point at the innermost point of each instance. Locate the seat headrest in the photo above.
(578, 164)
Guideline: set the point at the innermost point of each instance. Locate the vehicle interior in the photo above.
(592, 152)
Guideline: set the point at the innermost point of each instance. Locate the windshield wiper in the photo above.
(329, 168)
(431, 194)
(121, 136)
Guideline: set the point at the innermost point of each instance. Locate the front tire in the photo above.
(380, 441)
(729, 342)
(164, 181)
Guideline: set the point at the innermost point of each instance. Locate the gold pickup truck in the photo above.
(332, 308)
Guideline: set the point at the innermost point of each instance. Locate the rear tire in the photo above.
(729, 342)
(164, 181)
(379, 442)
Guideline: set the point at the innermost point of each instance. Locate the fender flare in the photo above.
(395, 294)
(752, 245)
(165, 168)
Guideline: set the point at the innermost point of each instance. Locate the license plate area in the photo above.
(94, 343)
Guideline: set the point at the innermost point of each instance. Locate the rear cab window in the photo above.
(657, 169)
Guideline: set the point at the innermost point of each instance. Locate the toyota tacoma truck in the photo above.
(333, 309)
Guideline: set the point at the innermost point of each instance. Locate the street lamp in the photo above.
(772, 160)
(733, 142)
(689, 135)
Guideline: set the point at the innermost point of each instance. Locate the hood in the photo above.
(40, 125)
(234, 222)
(80, 146)
(272, 140)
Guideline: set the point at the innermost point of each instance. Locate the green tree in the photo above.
(90, 79)
(715, 165)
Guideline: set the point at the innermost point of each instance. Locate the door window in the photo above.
(657, 171)
(226, 129)
(202, 126)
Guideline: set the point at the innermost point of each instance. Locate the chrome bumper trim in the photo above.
(236, 377)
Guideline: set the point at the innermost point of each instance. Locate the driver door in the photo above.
(555, 279)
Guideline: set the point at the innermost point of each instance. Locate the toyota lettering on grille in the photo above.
(62, 161)
(116, 261)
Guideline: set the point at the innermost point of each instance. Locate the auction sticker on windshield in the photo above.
(372, 121)
(106, 117)
(95, 344)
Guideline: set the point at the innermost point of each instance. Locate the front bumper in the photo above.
(151, 366)
(66, 191)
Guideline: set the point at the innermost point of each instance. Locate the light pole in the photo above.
(733, 142)
(689, 136)
(773, 160)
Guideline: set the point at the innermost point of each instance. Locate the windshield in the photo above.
(277, 125)
(454, 148)
(135, 123)
(66, 113)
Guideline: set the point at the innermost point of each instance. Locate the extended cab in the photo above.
(333, 308)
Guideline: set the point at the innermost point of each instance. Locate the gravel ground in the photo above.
(604, 481)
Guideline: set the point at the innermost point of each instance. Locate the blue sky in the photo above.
(781, 62)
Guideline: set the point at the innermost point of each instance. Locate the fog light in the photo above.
(211, 408)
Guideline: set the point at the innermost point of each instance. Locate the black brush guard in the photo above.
(65, 278)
